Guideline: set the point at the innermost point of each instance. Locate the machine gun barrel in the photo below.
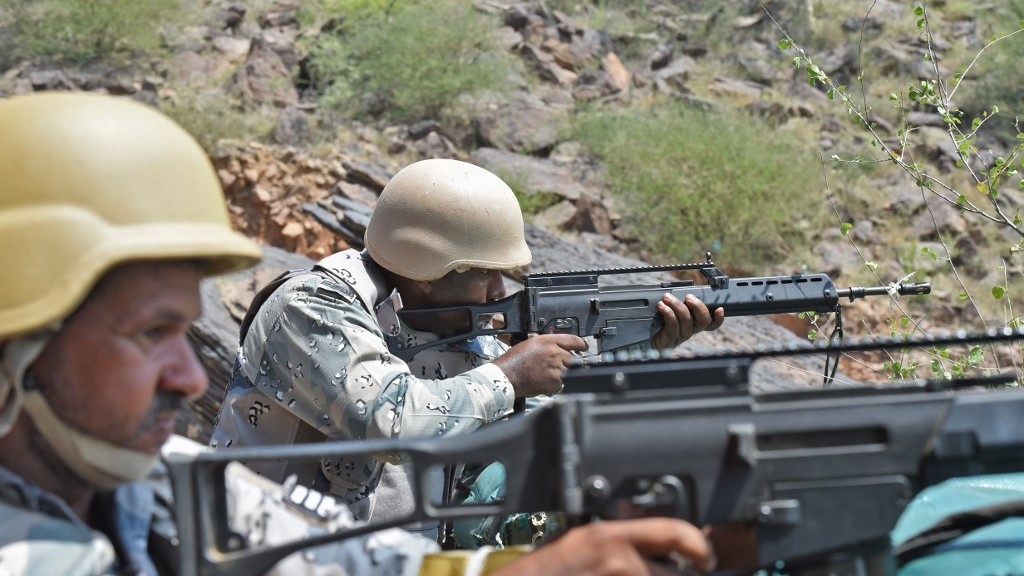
(823, 475)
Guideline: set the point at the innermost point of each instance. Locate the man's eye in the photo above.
(158, 332)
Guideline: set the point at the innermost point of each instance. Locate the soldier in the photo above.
(110, 215)
(315, 363)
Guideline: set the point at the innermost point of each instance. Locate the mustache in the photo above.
(163, 402)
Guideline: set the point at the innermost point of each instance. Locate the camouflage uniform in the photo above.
(40, 534)
(315, 365)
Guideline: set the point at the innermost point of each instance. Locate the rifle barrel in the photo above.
(854, 292)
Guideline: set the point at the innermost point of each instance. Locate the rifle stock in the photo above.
(822, 475)
(618, 316)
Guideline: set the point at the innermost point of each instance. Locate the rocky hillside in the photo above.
(304, 198)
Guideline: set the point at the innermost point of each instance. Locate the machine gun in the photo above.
(619, 316)
(823, 475)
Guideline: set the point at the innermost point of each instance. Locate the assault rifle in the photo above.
(619, 316)
(823, 475)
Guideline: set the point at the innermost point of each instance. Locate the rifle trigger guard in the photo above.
(665, 491)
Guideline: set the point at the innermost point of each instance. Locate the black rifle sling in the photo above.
(953, 527)
(261, 297)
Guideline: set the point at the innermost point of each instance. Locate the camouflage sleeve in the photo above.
(317, 351)
(270, 514)
(33, 543)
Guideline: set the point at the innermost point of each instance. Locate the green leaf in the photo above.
(785, 44)
(998, 292)
(845, 228)
(918, 10)
(975, 356)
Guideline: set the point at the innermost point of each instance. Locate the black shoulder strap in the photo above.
(953, 527)
(261, 297)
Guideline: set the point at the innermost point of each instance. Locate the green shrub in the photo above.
(994, 79)
(693, 180)
(83, 31)
(316, 13)
(533, 203)
(210, 118)
(408, 63)
(974, 267)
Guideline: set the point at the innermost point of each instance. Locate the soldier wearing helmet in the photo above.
(315, 364)
(110, 214)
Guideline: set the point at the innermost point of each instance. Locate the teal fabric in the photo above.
(996, 550)
(487, 486)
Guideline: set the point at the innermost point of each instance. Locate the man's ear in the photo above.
(416, 291)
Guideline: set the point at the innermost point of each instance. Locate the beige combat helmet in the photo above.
(439, 215)
(90, 181)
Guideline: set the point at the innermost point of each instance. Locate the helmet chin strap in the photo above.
(17, 356)
(101, 464)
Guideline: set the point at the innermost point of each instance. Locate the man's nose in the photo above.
(184, 374)
(495, 285)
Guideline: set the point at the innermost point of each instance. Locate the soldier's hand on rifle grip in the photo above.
(535, 365)
(683, 319)
(619, 548)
